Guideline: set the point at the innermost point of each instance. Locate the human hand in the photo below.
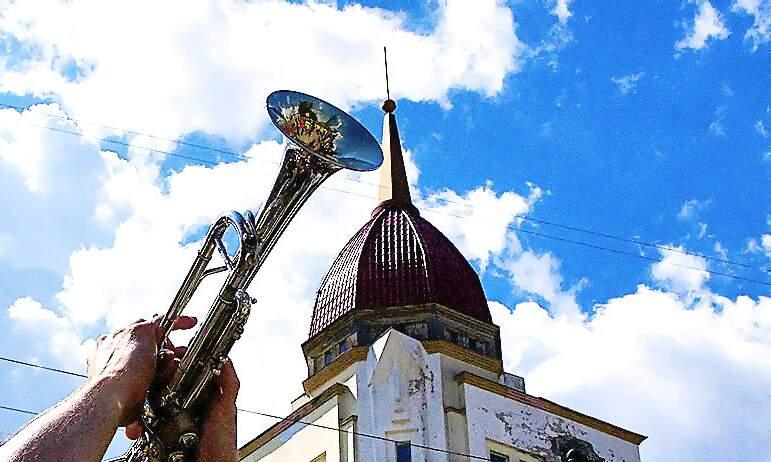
(126, 360)
(218, 435)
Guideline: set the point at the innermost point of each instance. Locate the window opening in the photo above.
(403, 451)
(495, 457)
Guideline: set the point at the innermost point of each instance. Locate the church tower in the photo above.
(404, 360)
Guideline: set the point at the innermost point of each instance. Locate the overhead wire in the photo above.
(23, 411)
(427, 197)
(248, 411)
(622, 252)
(38, 366)
(234, 154)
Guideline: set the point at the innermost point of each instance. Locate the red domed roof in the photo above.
(398, 259)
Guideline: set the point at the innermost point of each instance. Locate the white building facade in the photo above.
(404, 362)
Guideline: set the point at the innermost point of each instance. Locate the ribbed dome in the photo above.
(398, 259)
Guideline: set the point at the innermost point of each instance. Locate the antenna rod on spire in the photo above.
(385, 59)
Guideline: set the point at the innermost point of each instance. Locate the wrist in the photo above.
(111, 395)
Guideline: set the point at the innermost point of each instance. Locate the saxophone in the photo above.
(321, 139)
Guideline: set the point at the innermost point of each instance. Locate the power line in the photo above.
(137, 133)
(365, 435)
(642, 243)
(23, 411)
(38, 366)
(249, 411)
(523, 217)
(618, 252)
(423, 196)
(311, 424)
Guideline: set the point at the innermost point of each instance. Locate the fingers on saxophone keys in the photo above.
(172, 352)
(181, 323)
(168, 362)
(185, 322)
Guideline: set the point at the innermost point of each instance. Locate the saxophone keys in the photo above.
(177, 456)
(188, 440)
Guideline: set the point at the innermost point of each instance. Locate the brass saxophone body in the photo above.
(321, 140)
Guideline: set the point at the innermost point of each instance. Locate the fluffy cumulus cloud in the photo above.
(760, 10)
(707, 24)
(47, 214)
(540, 275)
(479, 222)
(209, 65)
(48, 331)
(680, 272)
(657, 363)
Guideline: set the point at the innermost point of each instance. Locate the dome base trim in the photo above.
(438, 327)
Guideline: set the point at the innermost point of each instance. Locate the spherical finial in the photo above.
(389, 105)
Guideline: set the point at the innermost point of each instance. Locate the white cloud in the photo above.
(50, 183)
(760, 10)
(651, 362)
(562, 10)
(478, 221)
(540, 275)
(707, 24)
(702, 230)
(720, 250)
(763, 245)
(716, 127)
(209, 65)
(628, 83)
(51, 332)
(680, 272)
(761, 129)
(691, 208)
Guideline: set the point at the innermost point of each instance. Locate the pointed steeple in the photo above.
(393, 175)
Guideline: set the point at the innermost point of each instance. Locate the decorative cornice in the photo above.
(337, 366)
(551, 407)
(302, 411)
(332, 331)
(463, 354)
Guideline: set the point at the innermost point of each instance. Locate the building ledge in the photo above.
(550, 407)
(301, 412)
(341, 363)
(463, 354)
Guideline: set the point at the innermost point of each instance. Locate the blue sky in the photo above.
(646, 121)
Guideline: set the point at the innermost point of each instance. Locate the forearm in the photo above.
(78, 428)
